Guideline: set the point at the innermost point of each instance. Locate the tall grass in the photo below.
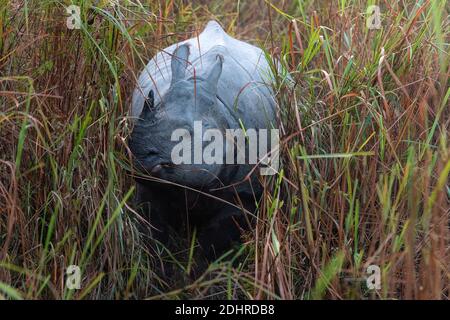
(365, 151)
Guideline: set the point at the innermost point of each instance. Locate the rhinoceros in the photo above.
(215, 82)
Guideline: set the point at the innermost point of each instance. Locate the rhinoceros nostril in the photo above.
(156, 169)
(160, 168)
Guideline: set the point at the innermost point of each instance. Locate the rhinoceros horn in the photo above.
(179, 63)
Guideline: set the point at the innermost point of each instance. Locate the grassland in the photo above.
(365, 150)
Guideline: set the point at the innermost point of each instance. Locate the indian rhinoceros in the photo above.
(216, 82)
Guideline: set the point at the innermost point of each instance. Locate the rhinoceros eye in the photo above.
(151, 152)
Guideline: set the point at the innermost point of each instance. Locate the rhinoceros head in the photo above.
(188, 99)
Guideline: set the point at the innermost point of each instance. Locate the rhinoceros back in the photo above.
(244, 85)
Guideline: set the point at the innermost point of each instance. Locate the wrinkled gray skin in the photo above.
(222, 82)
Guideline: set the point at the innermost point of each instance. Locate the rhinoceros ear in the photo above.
(214, 73)
(179, 62)
(149, 103)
